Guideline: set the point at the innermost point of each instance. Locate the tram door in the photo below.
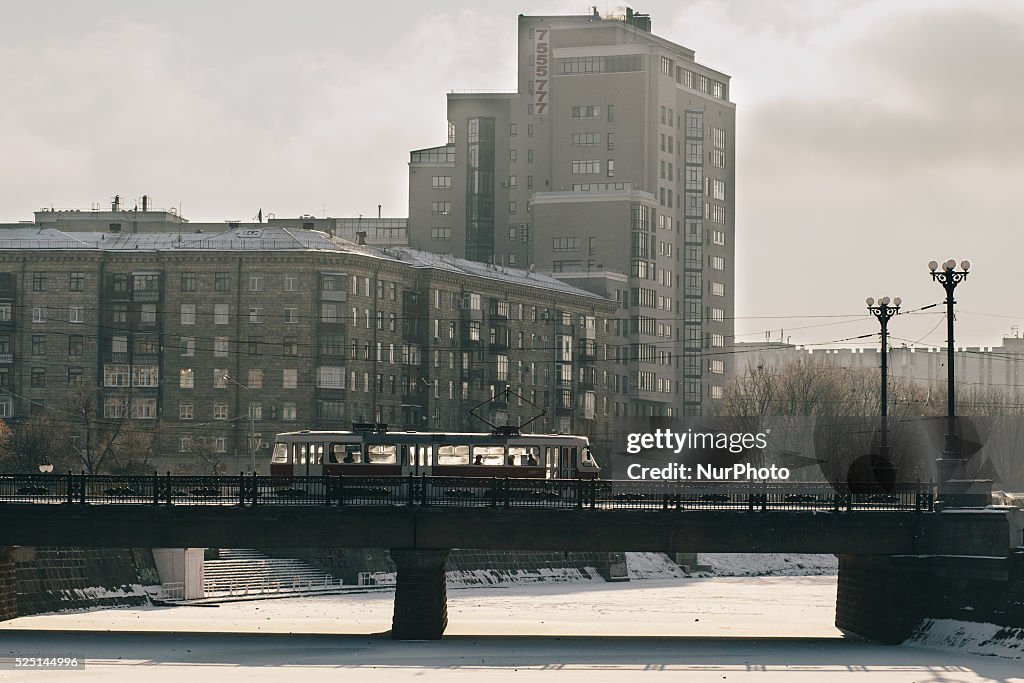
(420, 458)
(567, 462)
(311, 460)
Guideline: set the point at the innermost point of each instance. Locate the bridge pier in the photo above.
(879, 597)
(421, 601)
(8, 592)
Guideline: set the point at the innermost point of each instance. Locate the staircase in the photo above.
(243, 571)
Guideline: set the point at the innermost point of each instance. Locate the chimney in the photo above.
(378, 211)
(116, 204)
(361, 238)
(145, 202)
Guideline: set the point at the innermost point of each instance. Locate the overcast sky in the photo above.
(872, 135)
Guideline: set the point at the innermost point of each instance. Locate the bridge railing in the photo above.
(463, 492)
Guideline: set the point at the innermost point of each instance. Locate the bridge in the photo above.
(895, 549)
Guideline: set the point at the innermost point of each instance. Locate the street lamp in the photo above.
(252, 421)
(883, 311)
(949, 277)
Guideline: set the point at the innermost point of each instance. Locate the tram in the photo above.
(371, 450)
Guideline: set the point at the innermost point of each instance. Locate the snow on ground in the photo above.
(967, 636)
(770, 564)
(757, 629)
(652, 566)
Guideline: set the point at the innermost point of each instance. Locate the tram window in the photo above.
(332, 454)
(353, 453)
(551, 456)
(453, 455)
(524, 455)
(280, 453)
(301, 455)
(588, 456)
(316, 454)
(488, 455)
(382, 454)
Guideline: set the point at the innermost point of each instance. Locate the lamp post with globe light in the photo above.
(949, 277)
(884, 311)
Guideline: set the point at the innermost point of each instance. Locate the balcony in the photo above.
(333, 295)
(6, 358)
(115, 357)
(145, 295)
(336, 324)
(563, 329)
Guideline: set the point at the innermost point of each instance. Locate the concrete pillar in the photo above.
(8, 591)
(421, 602)
(880, 597)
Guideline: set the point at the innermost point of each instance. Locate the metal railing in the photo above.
(461, 492)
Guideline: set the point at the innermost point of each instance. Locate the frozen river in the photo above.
(721, 629)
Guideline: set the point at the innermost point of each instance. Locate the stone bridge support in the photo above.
(421, 601)
(969, 566)
(8, 593)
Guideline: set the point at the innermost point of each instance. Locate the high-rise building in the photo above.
(613, 157)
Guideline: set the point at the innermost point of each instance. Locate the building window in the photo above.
(113, 407)
(440, 233)
(512, 155)
(222, 282)
(188, 314)
(220, 314)
(188, 282)
(38, 344)
(255, 380)
(291, 283)
(185, 411)
(440, 208)
(611, 169)
(76, 345)
(291, 314)
(220, 378)
(592, 166)
(565, 243)
(38, 314)
(220, 410)
(38, 282)
(220, 444)
(255, 346)
(586, 139)
(220, 347)
(38, 378)
(76, 282)
(512, 207)
(587, 111)
(290, 378)
(186, 378)
(74, 376)
(441, 182)
(255, 315)
(330, 377)
(288, 412)
(329, 313)
(255, 283)
(188, 346)
(147, 314)
(290, 346)
(185, 444)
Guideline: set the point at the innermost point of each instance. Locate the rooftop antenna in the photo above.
(378, 211)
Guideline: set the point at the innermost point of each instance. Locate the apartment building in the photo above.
(217, 341)
(614, 154)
